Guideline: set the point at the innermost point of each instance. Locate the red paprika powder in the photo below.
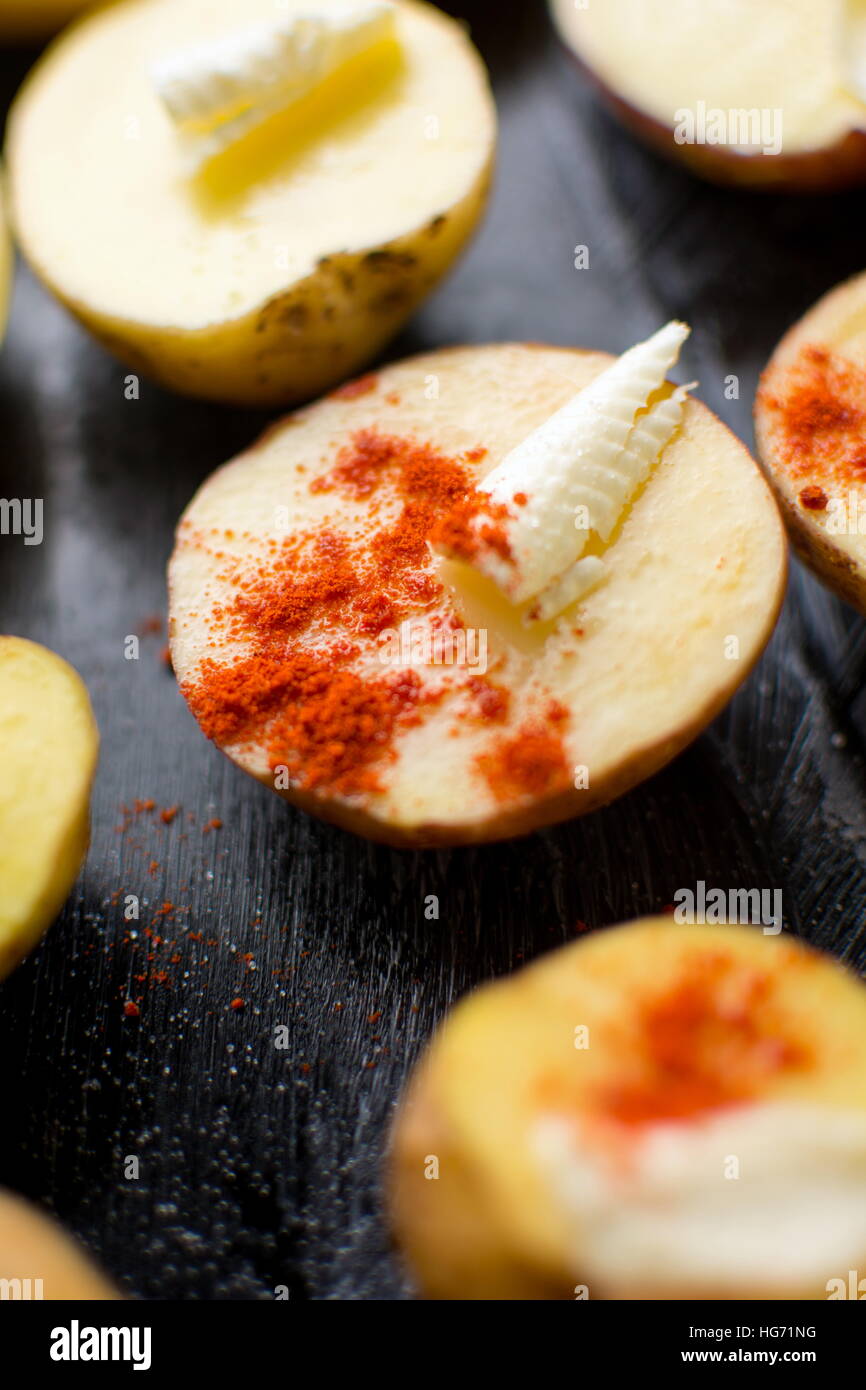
(322, 705)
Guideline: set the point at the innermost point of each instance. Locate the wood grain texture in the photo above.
(261, 1166)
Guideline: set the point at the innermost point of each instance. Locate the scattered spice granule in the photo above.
(819, 401)
(374, 1018)
(531, 762)
(144, 806)
(131, 1009)
(474, 525)
(168, 814)
(491, 701)
(215, 824)
(813, 498)
(362, 386)
(238, 1004)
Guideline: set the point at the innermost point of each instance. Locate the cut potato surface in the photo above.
(810, 423)
(38, 1257)
(48, 751)
(321, 647)
(758, 94)
(292, 257)
(656, 1111)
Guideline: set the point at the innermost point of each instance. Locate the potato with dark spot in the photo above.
(286, 261)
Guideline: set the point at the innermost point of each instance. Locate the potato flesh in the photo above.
(478, 1093)
(700, 558)
(48, 750)
(214, 249)
(729, 54)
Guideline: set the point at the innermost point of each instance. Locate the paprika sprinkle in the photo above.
(309, 685)
(713, 1039)
(820, 410)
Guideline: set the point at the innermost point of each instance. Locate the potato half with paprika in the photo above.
(48, 751)
(810, 425)
(324, 648)
(657, 1111)
(261, 197)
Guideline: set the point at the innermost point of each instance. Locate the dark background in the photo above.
(260, 1166)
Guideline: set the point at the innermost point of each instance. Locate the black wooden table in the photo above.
(260, 1165)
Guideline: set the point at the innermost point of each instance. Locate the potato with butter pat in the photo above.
(658, 1111)
(262, 197)
(337, 630)
(48, 751)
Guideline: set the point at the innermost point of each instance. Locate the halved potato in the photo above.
(656, 1111)
(755, 95)
(297, 565)
(48, 751)
(290, 259)
(810, 425)
(38, 1260)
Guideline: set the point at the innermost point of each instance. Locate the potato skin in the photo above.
(32, 1246)
(515, 822)
(841, 166)
(837, 570)
(71, 850)
(26, 20)
(301, 343)
(446, 1229)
